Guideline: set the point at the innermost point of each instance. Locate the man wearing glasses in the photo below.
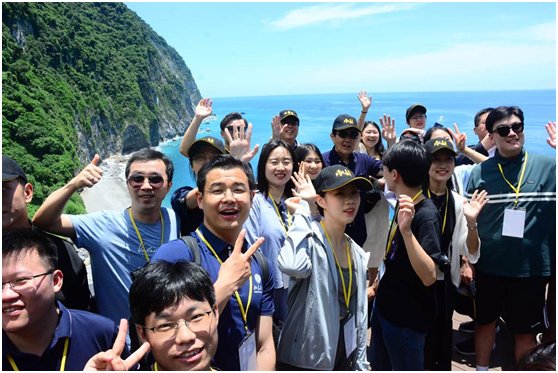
(118, 242)
(517, 229)
(344, 135)
(38, 332)
(285, 127)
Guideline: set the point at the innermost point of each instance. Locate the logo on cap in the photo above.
(288, 112)
(348, 120)
(440, 143)
(341, 173)
(209, 139)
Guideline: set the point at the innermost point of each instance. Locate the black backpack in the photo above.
(192, 243)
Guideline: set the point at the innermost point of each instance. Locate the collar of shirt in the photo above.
(504, 161)
(222, 248)
(335, 158)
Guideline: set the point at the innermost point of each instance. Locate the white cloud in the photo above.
(541, 32)
(333, 13)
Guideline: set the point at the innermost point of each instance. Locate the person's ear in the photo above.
(331, 136)
(28, 192)
(252, 195)
(321, 201)
(57, 280)
(141, 333)
(199, 199)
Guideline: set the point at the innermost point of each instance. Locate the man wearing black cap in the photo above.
(344, 135)
(416, 116)
(285, 127)
(17, 193)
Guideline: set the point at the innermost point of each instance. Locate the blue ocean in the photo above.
(317, 112)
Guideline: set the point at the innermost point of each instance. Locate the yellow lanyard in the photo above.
(285, 228)
(346, 294)
(516, 190)
(393, 226)
(445, 212)
(243, 312)
(62, 363)
(139, 235)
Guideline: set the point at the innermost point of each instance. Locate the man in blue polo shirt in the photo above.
(38, 332)
(244, 297)
(344, 135)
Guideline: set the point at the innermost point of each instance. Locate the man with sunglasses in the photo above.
(285, 127)
(517, 229)
(118, 242)
(344, 134)
(38, 332)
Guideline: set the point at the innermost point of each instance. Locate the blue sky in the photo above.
(255, 49)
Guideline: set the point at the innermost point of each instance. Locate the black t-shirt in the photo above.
(402, 298)
(447, 233)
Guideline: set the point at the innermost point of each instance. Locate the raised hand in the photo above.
(203, 110)
(460, 139)
(236, 269)
(90, 175)
(239, 143)
(405, 213)
(551, 129)
(365, 100)
(293, 203)
(111, 360)
(472, 208)
(303, 185)
(277, 128)
(388, 129)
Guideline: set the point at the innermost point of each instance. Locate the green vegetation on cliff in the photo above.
(85, 78)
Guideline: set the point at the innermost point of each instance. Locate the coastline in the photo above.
(110, 193)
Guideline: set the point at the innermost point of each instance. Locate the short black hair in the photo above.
(18, 242)
(410, 159)
(229, 118)
(225, 162)
(147, 154)
(480, 113)
(502, 112)
(263, 184)
(161, 284)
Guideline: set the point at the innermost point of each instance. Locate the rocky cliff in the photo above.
(86, 78)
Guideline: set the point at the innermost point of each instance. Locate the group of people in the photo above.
(288, 269)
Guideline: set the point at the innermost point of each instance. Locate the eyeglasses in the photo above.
(204, 157)
(344, 134)
(195, 323)
(505, 130)
(417, 117)
(136, 181)
(23, 284)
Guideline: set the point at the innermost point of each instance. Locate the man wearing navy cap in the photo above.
(285, 127)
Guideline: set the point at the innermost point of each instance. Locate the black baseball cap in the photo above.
(11, 169)
(210, 140)
(434, 145)
(337, 176)
(414, 109)
(288, 113)
(343, 122)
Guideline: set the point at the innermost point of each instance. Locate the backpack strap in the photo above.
(264, 265)
(192, 244)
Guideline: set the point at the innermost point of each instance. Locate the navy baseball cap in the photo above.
(11, 169)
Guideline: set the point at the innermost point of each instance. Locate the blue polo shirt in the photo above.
(189, 219)
(89, 334)
(231, 325)
(361, 165)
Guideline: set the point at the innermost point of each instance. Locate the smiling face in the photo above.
(510, 145)
(345, 141)
(442, 166)
(145, 197)
(313, 164)
(340, 204)
(291, 130)
(193, 346)
(225, 201)
(370, 137)
(279, 167)
(24, 312)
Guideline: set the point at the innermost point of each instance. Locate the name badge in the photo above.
(247, 352)
(514, 223)
(350, 335)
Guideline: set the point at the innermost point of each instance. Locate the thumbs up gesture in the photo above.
(90, 175)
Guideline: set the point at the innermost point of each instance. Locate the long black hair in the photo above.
(263, 183)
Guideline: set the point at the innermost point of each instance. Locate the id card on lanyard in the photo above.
(247, 352)
(514, 218)
(349, 328)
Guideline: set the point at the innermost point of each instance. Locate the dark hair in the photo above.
(410, 159)
(502, 112)
(17, 242)
(480, 113)
(225, 162)
(160, 285)
(379, 147)
(263, 184)
(426, 184)
(430, 131)
(229, 118)
(147, 154)
(302, 151)
(542, 357)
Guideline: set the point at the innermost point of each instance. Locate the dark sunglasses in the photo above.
(136, 181)
(505, 130)
(344, 134)
(290, 122)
